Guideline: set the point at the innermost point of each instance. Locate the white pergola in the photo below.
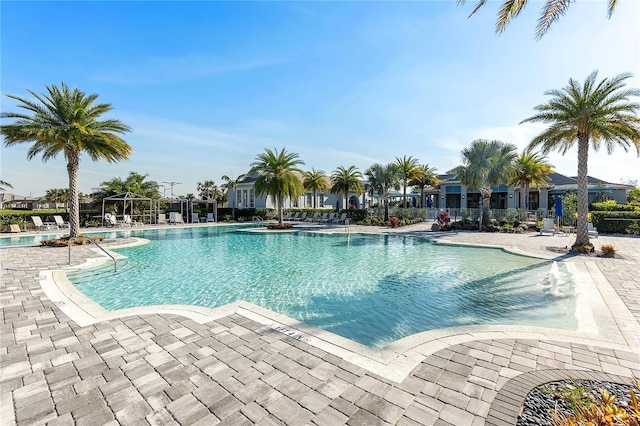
(128, 200)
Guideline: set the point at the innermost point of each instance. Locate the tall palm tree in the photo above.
(382, 180)
(426, 176)
(551, 12)
(345, 181)
(3, 184)
(591, 114)
(531, 169)
(207, 190)
(67, 121)
(486, 164)
(315, 180)
(408, 167)
(277, 177)
(230, 186)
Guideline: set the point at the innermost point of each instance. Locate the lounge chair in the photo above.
(40, 226)
(343, 217)
(329, 219)
(162, 219)
(593, 232)
(289, 216)
(175, 218)
(302, 218)
(127, 221)
(110, 219)
(548, 226)
(295, 216)
(195, 218)
(210, 218)
(60, 222)
(320, 219)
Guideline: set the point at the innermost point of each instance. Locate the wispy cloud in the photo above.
(162, 70)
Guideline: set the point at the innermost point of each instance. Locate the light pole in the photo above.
(172, 183)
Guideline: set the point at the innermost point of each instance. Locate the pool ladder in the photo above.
(258, 219)
(115, 264)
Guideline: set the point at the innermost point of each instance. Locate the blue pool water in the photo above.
(373, 289)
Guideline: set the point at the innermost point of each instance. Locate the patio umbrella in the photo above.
(558, 207)
(429, 201)
(413, 201)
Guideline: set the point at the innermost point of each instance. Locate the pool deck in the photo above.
(246, 365)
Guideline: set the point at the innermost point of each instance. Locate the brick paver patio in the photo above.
(168, 369)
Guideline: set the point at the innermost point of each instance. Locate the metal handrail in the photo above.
(347, 229)
(115, 264)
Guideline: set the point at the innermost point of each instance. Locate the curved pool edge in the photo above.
(394, 362)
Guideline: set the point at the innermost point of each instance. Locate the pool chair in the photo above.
(593, 232)
(60, 222)
(302, 218)
(314, 218)
(343, 217)
(289, 216)
(40, 226)
(324, 217)
(110, 220)
(128, 222)
(195, 218)
(548, 226)
(329, 219)
(295, 216)
(162, 219)
(175, 218)
(210, 217)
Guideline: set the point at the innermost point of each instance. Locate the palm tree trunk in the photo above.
(523, 197)
(386, 209)
(280, 202)
(73, 165)
(404, 195)
(314, 199)
(346, 198)
(582, 234)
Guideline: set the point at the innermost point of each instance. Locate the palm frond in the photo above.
(551, 12)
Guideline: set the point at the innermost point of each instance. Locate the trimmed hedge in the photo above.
(23, 217)
(616, 222)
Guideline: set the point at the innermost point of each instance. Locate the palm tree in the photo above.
(58, 196)
(591, 114)
(207, 190)
(426, 176)
(346, 180)
(230, 186)
(531, 169)
(315, 180)
(382, 180)
(486, 164)
(66, 121)
(408, 167)
(277, 176)
(552, 11)
(3, 184)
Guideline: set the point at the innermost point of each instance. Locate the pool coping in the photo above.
(395, 361)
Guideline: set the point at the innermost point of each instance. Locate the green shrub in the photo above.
(621, 222)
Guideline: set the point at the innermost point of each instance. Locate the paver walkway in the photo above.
(167, 369)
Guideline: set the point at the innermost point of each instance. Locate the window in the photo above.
(252, 199)
(238, 200)
(321, 200)
(245, 198)
(294, 203)
(309, 199)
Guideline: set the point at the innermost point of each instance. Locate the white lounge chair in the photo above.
(110, 219)
(127, 221)
(343, 217)
(60, 222)
(40, 226)
(210, 218)
(195, 218)
(593, 232)
(175, 218)
(162, 219)
(548, 226)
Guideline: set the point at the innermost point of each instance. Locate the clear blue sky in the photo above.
(206, 86)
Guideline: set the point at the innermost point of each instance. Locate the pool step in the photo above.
(82, 275)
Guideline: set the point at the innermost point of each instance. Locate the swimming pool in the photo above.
(373, 289)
